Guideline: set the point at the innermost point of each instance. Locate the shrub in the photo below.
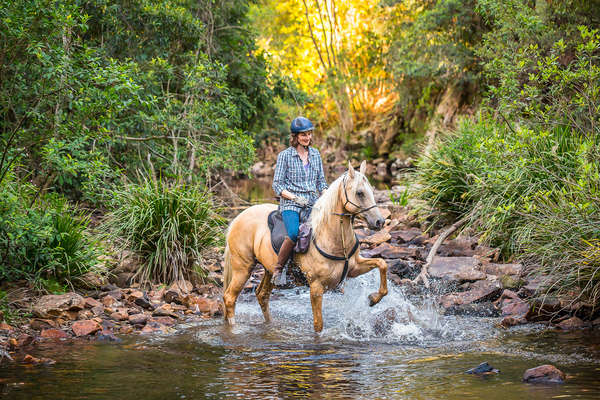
(40, 238)
(169, 225)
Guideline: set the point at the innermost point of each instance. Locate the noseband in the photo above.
(360, 209)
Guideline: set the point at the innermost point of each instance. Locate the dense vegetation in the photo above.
(96, 94)
(132, 109)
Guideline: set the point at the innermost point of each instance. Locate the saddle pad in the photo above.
(277, 228)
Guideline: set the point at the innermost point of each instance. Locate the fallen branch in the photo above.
(423, 275)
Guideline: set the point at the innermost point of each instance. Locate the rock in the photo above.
(108, 287)
(544, 374)
(107, 336)
(383, 321)
(456, 269)
(408, 235)
(98, 310)
(54, 305)
(182, 286)
(164, 310)
(571, 324)
(399, 267)
(6, 327)
(117, 294)
(120, 315)
(502, 269)
(54, 334)
(202, 305)
(86, 327)
(510, 320)
(138, 319)
(29, 359)
(168, 321)
(544, 309)
(144, 302)
(122, 279)
(483, 369)
(24, 340)
(387, 250)
(84, 314)
(377, 238)
(172, 295)
(510, 281)
(480, 291)
(484, 309)
(91, 280)
(155, 327)
(515, 307)
(91, 303)
(108, 301)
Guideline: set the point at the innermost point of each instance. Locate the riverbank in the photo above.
(467, 279)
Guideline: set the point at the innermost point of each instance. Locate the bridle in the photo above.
(352, 215)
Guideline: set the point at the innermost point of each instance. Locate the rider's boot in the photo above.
(284, 253)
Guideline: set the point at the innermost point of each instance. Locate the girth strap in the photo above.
(338, 258)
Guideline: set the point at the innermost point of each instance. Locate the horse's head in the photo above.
(358, 197)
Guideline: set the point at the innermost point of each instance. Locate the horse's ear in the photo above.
(363, 167)
(350, 170)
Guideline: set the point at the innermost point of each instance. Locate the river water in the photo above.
(422, 355)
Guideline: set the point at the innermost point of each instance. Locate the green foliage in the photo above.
(400, 199)
(41, 240)
(170, 225)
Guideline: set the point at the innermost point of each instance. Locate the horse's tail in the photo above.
(226, 268)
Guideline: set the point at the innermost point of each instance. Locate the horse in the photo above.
(330, 258)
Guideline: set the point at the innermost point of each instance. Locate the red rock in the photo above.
(138, 319)
(98, 310)
(409, 234)
(87, 327)
(125, 330)
(515, 307)
(182, 286)
(29, 359)
(482, 291)
(510, 320)
(155, 327)
(108, 300)
(53, 305)
(172, 296)
(40, 324)
(377, 238)
(91, 303)
(571, 323)
(5, 327)
(456, 269)
(119, 316)
(203, 305)
(134, 295)
(85, 314)
(502, 269)
(54, 334)
(165, 310)
(168, 321)
(544, 374)
(24, 340)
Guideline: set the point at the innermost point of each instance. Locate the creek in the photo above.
(423, 354)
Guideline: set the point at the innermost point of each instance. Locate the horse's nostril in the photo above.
(379, 223)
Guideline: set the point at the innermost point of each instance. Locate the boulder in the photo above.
(173, 295)
(120, 315)
(544, 374)
(383, 321)
(483, 369)
(91, 303)
(408, 235)
(108, 301)
(54, 305)
(54, 334)
(483, 309)
(86, 327)
(571, 324)
(202, 304)
(510, 320)
(138, 319)
(456, 269)
(515, 307)
(482, 291)
(41, 324)
(502, 269)
(377, 238)
(91, 280)
(164, 310)
(544, 309)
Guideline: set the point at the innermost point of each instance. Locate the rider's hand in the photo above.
(301, 201)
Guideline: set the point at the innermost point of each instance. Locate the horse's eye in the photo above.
(360, 193)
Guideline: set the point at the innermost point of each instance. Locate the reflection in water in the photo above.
(418, 357)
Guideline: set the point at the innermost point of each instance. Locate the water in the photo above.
(422, 355)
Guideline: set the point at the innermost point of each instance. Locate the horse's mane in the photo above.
(323, 208)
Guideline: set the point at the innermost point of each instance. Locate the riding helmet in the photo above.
(301, 124)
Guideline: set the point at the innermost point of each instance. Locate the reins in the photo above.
(347, 256)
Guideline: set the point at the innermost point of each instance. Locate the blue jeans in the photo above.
(291, 220)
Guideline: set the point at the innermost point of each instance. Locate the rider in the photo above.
(299, 180)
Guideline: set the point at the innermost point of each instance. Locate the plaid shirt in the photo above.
(291, 175)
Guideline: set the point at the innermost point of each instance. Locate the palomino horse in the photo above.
(249, 240)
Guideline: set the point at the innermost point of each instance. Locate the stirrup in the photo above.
(279, 279)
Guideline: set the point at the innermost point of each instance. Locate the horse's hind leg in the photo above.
(263, 293)
(240, 271)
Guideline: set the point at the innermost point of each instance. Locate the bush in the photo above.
(498, 175)
(41, 240)
(169, 225)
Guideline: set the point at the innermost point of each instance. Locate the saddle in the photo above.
(278, 233)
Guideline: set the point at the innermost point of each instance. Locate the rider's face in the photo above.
(304, 138)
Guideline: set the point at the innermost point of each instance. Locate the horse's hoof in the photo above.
(372, 300)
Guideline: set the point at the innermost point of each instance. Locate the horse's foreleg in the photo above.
(316, 300)
(364, 265)
(263, 293)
